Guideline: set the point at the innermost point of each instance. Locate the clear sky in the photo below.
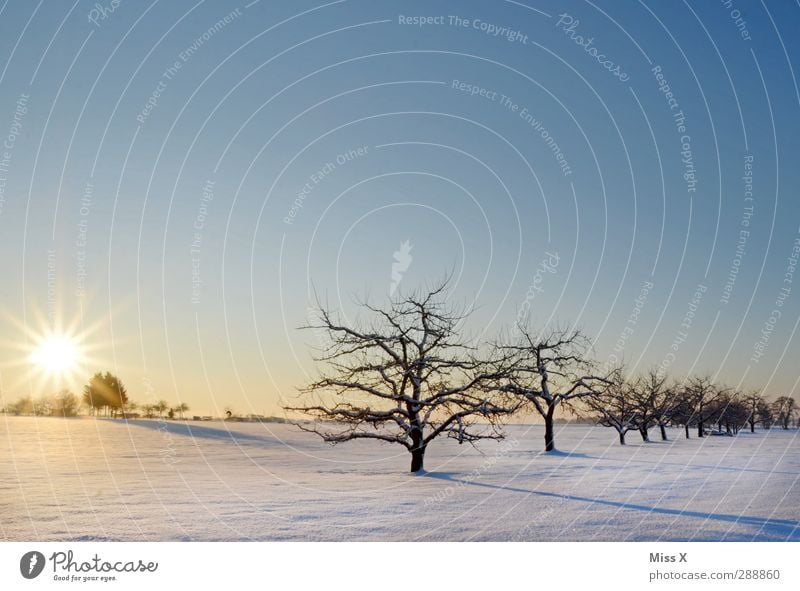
(177, 178)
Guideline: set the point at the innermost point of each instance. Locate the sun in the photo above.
(57, 354)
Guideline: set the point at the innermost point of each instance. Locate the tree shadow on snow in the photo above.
(779, 528)
(704, 466)
(198, 431)
(557, 453)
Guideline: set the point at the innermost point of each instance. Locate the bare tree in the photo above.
(550, 371)
(683, 409)
(406, 377)
(753, 401)
(65, 404)
(182, 408)
(161, 407)
(702, 395)
(655, 403)
(765, 415)
(616, 406)
(735, 415)
(43, 406)
(719, 409)
(23, 406)
(784, 408)
(663, 399)
(732, 412)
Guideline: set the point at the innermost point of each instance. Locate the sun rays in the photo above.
(57, 354)
(51, 353)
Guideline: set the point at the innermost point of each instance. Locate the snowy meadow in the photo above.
(86, 479)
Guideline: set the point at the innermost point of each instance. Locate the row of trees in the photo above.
(650, 400)
(407, 375)
(61, 404)
(105, 395)
(161, 409)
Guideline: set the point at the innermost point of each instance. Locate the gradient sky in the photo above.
(267, 98)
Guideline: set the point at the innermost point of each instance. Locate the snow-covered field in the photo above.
(86, 479)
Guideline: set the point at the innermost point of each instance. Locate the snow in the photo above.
(95, 479)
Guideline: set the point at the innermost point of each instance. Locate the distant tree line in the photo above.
(61, 404)
(103, 395)
(650, 401)
(407, 375)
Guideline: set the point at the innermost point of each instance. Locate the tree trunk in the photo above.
(752, 427)
(686, 426)
(700, 429)
(549, 436)
(417, 446)
(417, 458)
(622, 438)
(643, 433)
(663, 432)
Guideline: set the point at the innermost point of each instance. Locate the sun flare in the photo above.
(56, 354)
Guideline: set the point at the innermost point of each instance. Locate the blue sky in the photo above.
(191, 283)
